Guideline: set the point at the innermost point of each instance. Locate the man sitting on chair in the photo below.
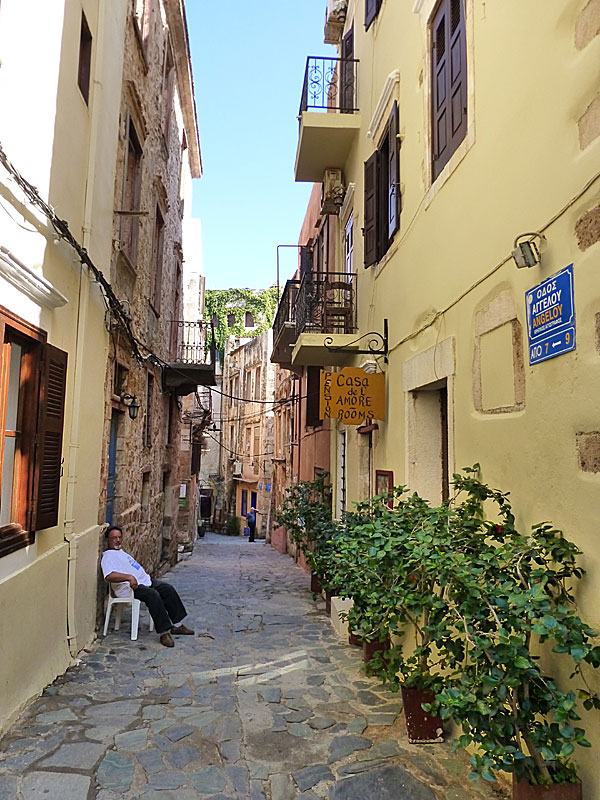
(164, 604)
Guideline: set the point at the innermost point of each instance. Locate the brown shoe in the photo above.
(181, 630)
(166, 640)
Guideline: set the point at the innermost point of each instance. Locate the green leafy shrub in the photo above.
(232, 526)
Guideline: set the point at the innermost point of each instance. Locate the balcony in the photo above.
(317, 309)
(284, 324)
(329, 118)
(193, 353)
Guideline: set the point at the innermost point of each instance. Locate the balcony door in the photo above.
(347, 74)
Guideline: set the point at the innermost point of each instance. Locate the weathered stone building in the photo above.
(247, 429)
(158, 155)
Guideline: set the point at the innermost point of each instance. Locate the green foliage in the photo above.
(306, 514)
(232, 526)
(470, 603)
(220, 303)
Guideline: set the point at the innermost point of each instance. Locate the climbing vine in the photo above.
(223, 304)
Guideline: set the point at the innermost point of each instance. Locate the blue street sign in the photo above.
(550, 311)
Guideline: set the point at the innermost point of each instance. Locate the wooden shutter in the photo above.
(347, 102)
(371, 10)
(449, 60)
(370, 210)
(50, 431)
(393, 187)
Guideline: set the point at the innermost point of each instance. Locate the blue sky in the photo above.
(248, 60)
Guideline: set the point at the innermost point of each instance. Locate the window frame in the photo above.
(158, 251)
(382, 196)
(36, 466)
(453, 37)
(84, 64)
(372, 8)
(131, 193)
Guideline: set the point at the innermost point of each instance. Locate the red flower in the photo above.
(412, 577)
(498, 528)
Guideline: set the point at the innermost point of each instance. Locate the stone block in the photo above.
(587, 229)
(588, 451)
(587, 26)
(589, 124)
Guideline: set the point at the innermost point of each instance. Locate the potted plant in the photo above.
(509, 598)
(306, 514)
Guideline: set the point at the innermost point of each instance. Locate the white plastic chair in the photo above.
(119, 602)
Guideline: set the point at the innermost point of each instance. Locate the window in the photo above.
(247, 435)
(142, 20)
(248, 320)
(257, 384)
(132, 192)
(168, 89)
(85, 59)
(371, 10)
(145, 496)
(313, 390)
(382, 193)
(349, 245)
(32, 398)
(256, 447)
(449, 82)
(149, 409)
(157, 260)
(230, 320)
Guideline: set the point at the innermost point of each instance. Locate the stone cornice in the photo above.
(176, 21)
(382, 104)
(29, 282)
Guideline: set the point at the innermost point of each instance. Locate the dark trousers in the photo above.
(252, 529)
(164, 604)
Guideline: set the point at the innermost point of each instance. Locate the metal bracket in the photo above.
(376, 346)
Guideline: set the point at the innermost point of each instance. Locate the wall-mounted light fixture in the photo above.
(133, 406)
(526, 253)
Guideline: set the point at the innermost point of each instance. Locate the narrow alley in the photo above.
(264, 702)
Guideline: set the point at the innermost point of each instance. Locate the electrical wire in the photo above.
(238, 456)
(494, 269)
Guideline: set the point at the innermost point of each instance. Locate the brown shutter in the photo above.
(50, 430)
(449, 96)
(457, 74)
(347, 102)
(371, 10)
(370, 210)
(393, 187)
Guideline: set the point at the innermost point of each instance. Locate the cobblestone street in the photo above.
(264, 702)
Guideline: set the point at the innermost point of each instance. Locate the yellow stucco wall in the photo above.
(68, 150)
(33, 610)
(522, 167)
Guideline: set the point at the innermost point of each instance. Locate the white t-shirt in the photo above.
(120, 561)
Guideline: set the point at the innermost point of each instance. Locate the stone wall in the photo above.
(147, 454)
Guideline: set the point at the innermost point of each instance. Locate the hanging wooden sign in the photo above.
(352, 395)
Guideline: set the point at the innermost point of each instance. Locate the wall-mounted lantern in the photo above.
(526, 253)
(133, 406)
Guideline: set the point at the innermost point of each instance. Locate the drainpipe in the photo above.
(70, 535)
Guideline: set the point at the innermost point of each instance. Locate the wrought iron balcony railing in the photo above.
(285, 309)
(326, 303)
(330, 85)
(192, 342)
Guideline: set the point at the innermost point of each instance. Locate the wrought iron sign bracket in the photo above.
(377, 344)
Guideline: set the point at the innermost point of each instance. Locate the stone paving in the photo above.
(263, 703)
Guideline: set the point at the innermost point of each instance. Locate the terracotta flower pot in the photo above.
(523, 790)
(315, 585)
(421, 727)
(355, 639)
(328, 596)
(370, 648)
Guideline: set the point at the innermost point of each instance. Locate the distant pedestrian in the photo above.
(251, 520)
(124, 573)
